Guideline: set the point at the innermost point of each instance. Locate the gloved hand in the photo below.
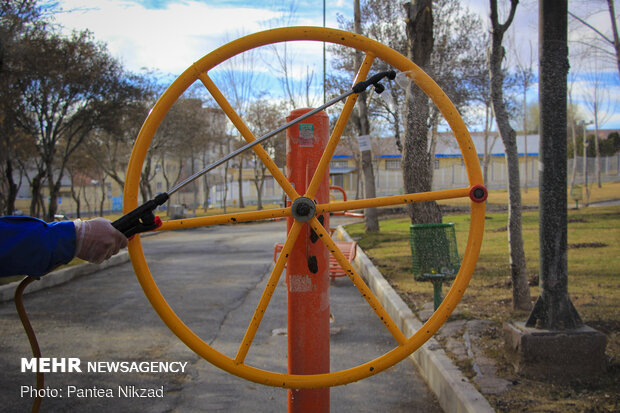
(97, 240)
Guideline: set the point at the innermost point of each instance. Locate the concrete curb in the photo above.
(7, 291)
(454, 392)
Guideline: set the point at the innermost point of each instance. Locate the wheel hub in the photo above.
(303, 209)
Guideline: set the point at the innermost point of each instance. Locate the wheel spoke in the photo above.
(338, 129)
(393, 200)
(234, 117)
(291, 238)
(224, 219)
(358, 282)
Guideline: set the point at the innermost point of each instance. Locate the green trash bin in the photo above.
(435, 256)
(576, 194)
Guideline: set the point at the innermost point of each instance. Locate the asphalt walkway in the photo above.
(212, 278)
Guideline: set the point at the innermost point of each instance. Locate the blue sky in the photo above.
(169, 35)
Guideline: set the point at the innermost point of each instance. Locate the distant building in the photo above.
(449, 170)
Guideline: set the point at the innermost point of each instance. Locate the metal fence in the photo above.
(497, 177)
(389, 182)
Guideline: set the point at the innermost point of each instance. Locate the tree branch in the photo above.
(594, 29)
(501, 28)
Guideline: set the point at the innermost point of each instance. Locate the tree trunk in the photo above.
(76, 197)
(35, 190)
(573, 127)
(52, 207)
(525, 137)
(195, 184)
(205, 186)
(358, 167)
(372, 220)
(11, 188)
(259, 193)
(162, 162)
(207, 192)
(416, 158)
(396, 114)
(102, 202)
(53, 187)
(518, 271)
(86, 201)
(240, 179)
(145, 180)
(486, 159)
(597, 150)
(225, 195)
(554, 309)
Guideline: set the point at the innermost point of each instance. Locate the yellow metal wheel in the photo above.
(404, 346)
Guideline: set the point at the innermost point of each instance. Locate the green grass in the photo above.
(593, 285)
(594, 269)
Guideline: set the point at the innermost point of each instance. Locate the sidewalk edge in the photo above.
(7, 291)
(454, 392)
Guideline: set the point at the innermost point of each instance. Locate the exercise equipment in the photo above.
(303, 208)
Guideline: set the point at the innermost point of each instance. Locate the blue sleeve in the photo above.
(29, 246)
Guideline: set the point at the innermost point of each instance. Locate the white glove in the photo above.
(97, 240)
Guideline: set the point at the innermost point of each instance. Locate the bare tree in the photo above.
(363, 127)
(296, 77)
(296, 81)
(72, 87)
(19, 20)
(110, 149)
(216, 120)
(183, 132)
(348, 139)
(450, 66)
(457, 63)
(482, 88)
(416, 161)
(489, 141)
(573, 115)
(77, 183)
(601, 106)
(607, 45)
(524, 76)
(241, 83)
(264, 117)
(520, 288)
(384, 21)
(225, 149)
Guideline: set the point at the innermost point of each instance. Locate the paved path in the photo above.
(609, 202)
(212, 278)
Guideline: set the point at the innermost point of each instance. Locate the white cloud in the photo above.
(169, 39)
(595, 88)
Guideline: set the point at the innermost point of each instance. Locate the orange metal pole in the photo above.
(307, 272)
